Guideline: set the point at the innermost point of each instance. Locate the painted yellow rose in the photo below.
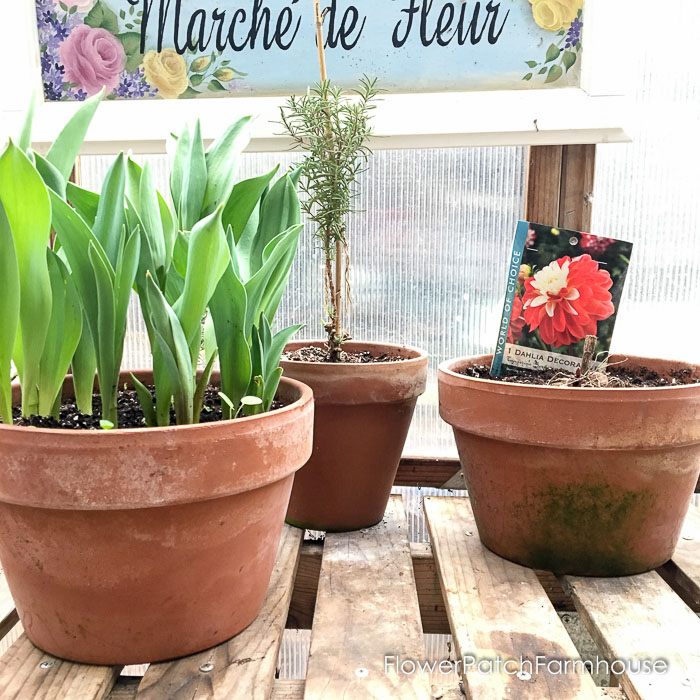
(167, 71)
(554, 15)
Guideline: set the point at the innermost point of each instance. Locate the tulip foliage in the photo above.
(209, 264)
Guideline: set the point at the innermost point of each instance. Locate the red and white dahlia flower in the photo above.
(566, 299)
(517, 322)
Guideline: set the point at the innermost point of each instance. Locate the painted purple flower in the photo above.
(134, 85)
(573, 36)
(93, 59)
(55, 26)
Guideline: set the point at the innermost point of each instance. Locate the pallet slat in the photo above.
(8, 614)
(243, 667)
(640, 617)
(498, 609)
(23, 678)
(682, 573)
(367, 608)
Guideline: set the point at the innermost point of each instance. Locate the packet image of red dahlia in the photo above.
(562, 286)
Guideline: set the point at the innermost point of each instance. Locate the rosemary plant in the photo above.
(333, 127)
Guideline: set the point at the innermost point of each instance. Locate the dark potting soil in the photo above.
(625, 377)
(311, 353)
(128, 409)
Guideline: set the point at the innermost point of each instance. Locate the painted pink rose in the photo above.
(93, 58)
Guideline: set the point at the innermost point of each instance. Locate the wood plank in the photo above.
(431, 472)
(682, 573)
(615, 693)
(576, 189)
(124, 688)
(367, 608)
(23, 678)
(433, 613)
(288, 690)
(543, 185)
(242, 667)
(303, 604)
(637, 618)
(8, 614)
(498, 609)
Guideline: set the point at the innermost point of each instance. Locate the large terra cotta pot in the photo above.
(362, 416)
(576, 480)
(138, 545)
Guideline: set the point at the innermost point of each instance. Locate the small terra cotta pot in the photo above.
(578, 481)
(137, 545)
(363, 412)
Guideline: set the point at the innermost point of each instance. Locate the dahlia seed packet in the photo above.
(562, 286)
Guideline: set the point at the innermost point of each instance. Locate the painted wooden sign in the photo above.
(141, 49)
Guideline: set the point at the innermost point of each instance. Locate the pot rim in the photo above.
(305, 396)
(418, 355)
(445, 370)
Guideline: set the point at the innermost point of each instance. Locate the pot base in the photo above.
(334, 527)
(577, 481)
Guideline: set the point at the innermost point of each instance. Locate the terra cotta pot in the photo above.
(136, 545)
(576, 480)
(362, 416)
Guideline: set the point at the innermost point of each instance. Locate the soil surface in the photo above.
(620, 376)
(128, 409)
(311, 353)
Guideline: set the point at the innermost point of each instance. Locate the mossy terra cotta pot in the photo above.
(136, 545)
(575, 480)
(362, 416)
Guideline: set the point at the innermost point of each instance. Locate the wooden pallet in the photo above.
(368, 605)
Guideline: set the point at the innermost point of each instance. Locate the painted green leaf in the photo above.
(542, 70)
(527, 76)
(131, 41)
(9, 313)
(531, 64)
(196, 79)
(101, 16)
(552, 53)
(555, 72)
(26, 202)
(568, 58)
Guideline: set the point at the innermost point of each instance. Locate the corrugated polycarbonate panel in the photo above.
(648, 192)
(428, 246)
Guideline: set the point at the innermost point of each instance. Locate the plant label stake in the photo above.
(562, 297)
